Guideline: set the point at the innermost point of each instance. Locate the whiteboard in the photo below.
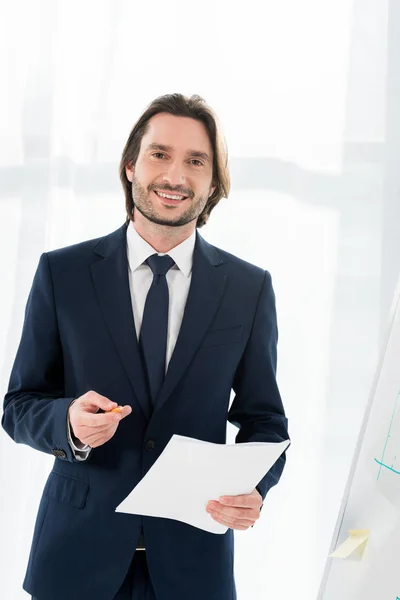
(372, 496)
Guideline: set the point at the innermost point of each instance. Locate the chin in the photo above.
(164, 220)
(170, 222)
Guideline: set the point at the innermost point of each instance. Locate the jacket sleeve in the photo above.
(35, 408)
(257, 408)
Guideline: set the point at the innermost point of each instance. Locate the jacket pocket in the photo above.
(67, 490)
(219, 337)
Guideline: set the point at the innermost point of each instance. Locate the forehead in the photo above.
(181, 133)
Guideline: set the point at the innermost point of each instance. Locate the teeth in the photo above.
(170, 197)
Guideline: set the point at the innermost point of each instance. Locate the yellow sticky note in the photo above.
(355, 544)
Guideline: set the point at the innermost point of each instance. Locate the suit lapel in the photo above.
(205, 293)
(111, 281)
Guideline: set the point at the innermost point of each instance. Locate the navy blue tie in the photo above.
(153, 332)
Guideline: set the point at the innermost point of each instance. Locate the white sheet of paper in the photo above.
(190, 472)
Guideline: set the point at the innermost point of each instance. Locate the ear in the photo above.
(129, 170)
(212, 190)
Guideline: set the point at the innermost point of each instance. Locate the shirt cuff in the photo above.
(80, 452)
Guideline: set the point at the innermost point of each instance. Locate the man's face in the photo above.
(176, 159)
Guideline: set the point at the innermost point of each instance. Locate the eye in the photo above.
(193, 160)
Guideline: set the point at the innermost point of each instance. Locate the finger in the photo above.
(229, 523)
(89, 435)
(235, 514)
(91, 432)
(88, 419)
(104, 420)
(104, 436)
(125, 411)
(229, 510)
(93, 399)
(99, 440)
(244, 501)
(94, 432)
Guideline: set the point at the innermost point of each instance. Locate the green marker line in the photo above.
(382, 464)
(387, 467)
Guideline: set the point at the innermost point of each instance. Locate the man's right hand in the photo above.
(91, 428)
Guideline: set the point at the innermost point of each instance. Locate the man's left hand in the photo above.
(236, 512)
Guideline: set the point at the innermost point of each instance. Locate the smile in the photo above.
(170, 198)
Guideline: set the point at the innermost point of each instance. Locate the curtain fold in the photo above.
(301, 92)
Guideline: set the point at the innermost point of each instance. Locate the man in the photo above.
(153, 319)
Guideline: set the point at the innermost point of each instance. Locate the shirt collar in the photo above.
(139, 251)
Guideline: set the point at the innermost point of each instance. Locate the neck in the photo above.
(162, 237)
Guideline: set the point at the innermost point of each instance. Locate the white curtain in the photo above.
(308, 96)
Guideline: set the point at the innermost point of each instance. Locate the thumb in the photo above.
(97, 401)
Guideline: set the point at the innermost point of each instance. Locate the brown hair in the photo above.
(193, 107)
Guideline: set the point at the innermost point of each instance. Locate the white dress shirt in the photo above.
(140, 280)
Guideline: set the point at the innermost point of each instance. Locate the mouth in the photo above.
(173, 200)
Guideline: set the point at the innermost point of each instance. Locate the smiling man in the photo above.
(158, 323)
(177, 200)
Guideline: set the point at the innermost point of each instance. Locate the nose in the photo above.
(174, 174)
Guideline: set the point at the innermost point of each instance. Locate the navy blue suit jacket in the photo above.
(79, 335)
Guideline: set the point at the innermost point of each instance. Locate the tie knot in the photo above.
(160, 265)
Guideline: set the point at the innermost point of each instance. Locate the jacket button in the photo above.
(59, 453)
(150, 445)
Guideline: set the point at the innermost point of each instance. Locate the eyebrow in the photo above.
(166, 148)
